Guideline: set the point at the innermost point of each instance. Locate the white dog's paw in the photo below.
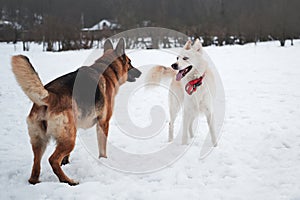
(215, 144)
(184, 142)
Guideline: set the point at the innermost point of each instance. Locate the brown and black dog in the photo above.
(79, 99)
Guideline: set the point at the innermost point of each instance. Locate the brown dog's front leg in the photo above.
(102, 132)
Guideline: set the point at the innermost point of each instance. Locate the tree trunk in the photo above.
(282, 42)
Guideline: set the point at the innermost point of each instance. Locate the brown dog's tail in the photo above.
(29, 80)
(158, 73)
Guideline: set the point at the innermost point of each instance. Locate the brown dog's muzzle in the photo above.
(133, 74)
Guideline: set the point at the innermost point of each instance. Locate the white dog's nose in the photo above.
(175, 66)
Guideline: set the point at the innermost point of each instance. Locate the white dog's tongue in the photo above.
(179, 75)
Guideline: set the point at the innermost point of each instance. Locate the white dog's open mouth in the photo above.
(183, 72)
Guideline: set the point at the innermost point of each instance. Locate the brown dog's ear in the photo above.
(120, 49)
(107, 45)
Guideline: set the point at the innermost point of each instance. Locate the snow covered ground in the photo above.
(258, 156)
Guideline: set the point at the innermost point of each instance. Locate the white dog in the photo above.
(194, 87)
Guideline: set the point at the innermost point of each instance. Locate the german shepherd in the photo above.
(79, 99)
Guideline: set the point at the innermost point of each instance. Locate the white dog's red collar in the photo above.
(191, 86)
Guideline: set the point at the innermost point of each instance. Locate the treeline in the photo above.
(59, 22)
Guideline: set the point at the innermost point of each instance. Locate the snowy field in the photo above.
(258, 156)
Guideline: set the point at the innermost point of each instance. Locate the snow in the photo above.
(258, 155)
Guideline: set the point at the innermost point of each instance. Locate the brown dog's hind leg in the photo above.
(38, 150)
(65, 160)
(64, 131)
(39, 140)
(56, 158)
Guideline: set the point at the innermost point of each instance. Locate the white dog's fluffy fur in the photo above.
(201, 101)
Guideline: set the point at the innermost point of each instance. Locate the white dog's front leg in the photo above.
(211, 125)
(175, 97)
(185, 127)
(191, 131)
(171, 131)
(173, 115)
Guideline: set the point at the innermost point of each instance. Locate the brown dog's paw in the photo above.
(33, 181)
(102, 156)
(73, 183)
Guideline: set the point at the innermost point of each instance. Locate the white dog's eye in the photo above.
(185, 58)
(177, 58)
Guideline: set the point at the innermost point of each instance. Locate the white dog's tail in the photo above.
(158, 73)
(29, 80)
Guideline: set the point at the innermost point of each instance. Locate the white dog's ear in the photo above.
(197, 45)
(188, 45)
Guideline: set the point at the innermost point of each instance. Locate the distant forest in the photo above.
(215, 21)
